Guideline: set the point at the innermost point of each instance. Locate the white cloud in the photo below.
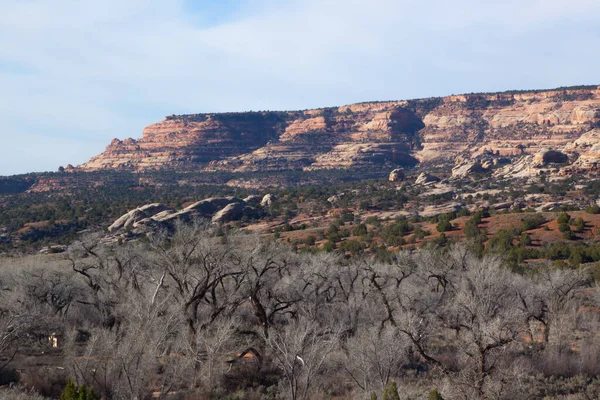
(77, 73)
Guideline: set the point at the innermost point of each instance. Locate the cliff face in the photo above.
(388, 133)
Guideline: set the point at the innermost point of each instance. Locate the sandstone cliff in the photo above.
(384, 133)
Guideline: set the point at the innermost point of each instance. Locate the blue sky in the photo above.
(76, 73)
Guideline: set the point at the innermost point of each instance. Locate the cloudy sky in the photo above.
(76, 73)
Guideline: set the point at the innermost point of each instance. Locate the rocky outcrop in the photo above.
(397, 175)
(267, 200)
(547, 156)
(467, 169)
(230, 212)
(432, 211)
(425, 178)
(362, 135)
(155, 216)
(134, 216)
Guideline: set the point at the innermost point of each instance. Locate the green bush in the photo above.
(74, 392)
(594, 209)
(533, 221)
(525, 239)
(435, 395)
(329, 246)
(563, 218)
(360, 230)
(580, 224)
(352, 245)
(564, 227)
(444, 226)
(391, 392)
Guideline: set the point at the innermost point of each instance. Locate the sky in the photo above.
(76, 73)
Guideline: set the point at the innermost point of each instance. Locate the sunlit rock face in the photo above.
(394, 133)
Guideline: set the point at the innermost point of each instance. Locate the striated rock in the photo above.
(233, 211)
(128, 220)
(425, 178)
(467, 169)
(206, 207)
(156, 216)
(268, 200)
(397, 175)
(432, 211)
(362, 135)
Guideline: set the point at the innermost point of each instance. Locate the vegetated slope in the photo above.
(359, 135)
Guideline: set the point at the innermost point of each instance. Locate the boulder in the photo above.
(467, 169)
(169, 217)
(232, 211)
(267, 200)
(426, 178)
(432, 211)
(545, 156)
(203, 207)
(129, 219)
(252, 200)
(397, 175)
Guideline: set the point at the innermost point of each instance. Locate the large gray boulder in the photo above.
(397, 175)
(203, 207)
(129, 219)
(426, 178)
(267, 200)
(467, 169)
(231, 212)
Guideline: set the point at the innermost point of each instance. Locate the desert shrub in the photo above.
(346, 216)
(329, 246)
(392, 233)
(444, 226)
(310, 240)
(501, 242)
(533, 221)
(372, 221)
(391, 392)
(74, 392)
(353, 246)
(593, 209)
(563, 218)
(564, 227)
(360, 230)
(434, 394)
(525, 239)
(580, 224)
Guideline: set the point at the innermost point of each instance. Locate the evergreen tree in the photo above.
(391, 392)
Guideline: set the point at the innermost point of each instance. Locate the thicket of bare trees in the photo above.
(237, 315)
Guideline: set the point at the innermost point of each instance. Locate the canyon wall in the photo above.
(358, 135)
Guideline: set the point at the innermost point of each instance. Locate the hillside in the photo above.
(361, 135)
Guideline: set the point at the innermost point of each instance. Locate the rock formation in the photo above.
(397, 175)
(425, 178)
(467, 169)
(394, 133)
(218, 209)
(267, 200)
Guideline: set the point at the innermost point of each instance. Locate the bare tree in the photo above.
(300, 350)
(374, 356)
(486, 308)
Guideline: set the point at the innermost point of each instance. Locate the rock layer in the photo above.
(395, 133)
